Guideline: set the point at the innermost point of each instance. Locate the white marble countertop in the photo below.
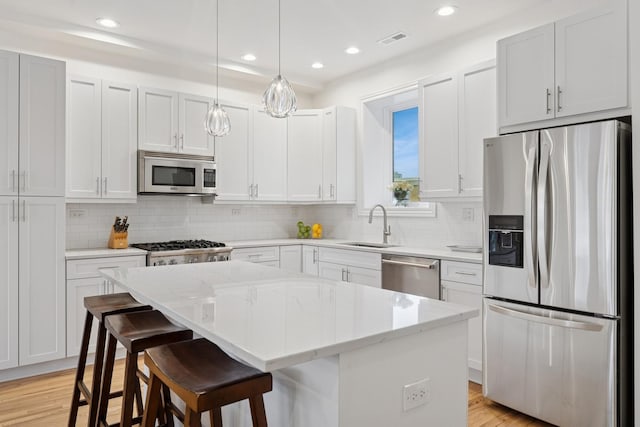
(273, 319)
(101, 253)
(439, 253)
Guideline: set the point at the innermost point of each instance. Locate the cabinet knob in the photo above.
(558, 98)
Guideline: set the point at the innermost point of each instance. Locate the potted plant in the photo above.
(401, 191)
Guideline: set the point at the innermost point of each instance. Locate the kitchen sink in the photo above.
(368, 245)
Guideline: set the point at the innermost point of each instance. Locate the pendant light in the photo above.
(279, 99)
(217, 122)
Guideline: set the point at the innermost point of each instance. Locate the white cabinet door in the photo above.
(470, 296)
(591, 61)
(526, 76)
(339, 155)
(119, 141)
(304, 156)
(439, 129)
(329, 154)
(42, 126)
(310, 260)
(83, 149)
(291, 258)
(158, 120)
(77, 290)
(269, 157)
(193, 138)
(332, 271)
(364, 276)
(8, 282)
(42, 279)
(232, 155)
(477, 120)
(9, 123)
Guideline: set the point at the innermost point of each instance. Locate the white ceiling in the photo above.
(312, 30)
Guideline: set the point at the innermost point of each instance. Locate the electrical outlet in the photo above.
(77, 213)
(235, 212)
(467, 214)
(416, 394)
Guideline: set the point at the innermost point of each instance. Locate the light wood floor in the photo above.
(44, 401)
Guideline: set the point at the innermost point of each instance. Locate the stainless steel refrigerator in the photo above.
(558, 284)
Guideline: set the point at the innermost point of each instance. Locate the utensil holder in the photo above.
(118, 240)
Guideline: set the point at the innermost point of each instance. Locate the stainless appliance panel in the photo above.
(411, 275)
(555, 366)
(510, 174)
(577, 217)
(163, 173)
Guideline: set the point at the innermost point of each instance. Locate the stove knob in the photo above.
(212, 258)
(160, 262)
(173, 262)
(193, 260)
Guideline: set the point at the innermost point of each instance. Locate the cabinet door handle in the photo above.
(462, 273)
(13, 181)
(343, 271)
(320, 191)
(13, 211)
(175, 140)
(558, 96)
(315, 255)
(98, 185)
(256, 191)
(24, 181)
(548, 99)
(105, 185)
(182, 141)
(250, 190)
(333, 191)
(459, 183)
(24, 211)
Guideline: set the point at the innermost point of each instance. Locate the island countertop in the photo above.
(274, 319)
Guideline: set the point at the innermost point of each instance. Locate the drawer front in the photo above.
(351, 258)
(86, 268)
(463, 272)
(259, 254)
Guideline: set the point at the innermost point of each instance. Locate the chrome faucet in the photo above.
(386, 229)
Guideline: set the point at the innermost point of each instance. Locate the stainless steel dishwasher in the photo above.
(411, 275)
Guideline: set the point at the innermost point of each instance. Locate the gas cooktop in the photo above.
(176, 245)
(184, 251)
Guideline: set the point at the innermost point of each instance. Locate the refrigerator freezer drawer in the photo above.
(554, 366)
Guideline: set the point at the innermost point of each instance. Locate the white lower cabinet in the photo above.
(350, 266)
(84, 280)
(265, 255)
(291, 258)
(462, 284)
(310, 260)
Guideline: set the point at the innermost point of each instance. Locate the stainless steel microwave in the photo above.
(180, 174)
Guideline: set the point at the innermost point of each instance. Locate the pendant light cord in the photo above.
(279, 37)
(217, 48)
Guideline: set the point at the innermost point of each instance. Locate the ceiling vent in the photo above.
(393, 38)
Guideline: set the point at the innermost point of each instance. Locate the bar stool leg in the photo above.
(215, 415)
(191, 418)
(129, 392)
(105, 390)
(165, 414)
(82, 360)
(152, 405)
(97, 372)
(258, 414)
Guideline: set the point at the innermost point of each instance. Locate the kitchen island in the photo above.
(341, 354)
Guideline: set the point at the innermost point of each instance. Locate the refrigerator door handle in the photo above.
(529, 202)
(563, 323)
(545, 152)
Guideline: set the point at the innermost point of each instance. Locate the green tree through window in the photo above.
(405, 148)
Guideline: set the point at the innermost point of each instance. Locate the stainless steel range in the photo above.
(184, 252)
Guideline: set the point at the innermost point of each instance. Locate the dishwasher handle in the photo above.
(433, 265)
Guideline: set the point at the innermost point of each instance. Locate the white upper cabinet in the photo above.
(119, 141)
(574, 66)
(42, 127)
(304, 155)
(457, 112)
(269, 157)
(339, 155)
(233, 155)
(158, 120)
(9, 123)
(525, 76)
(193, 137)
(101, 140)
(476, 121)
(173, 122)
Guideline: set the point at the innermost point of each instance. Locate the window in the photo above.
(390, 153)
(405, 152)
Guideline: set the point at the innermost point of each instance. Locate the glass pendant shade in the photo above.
(217, 122)
(279, 99)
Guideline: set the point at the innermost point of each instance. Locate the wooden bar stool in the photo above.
(136, 332)
(206, 379)
(99, 306)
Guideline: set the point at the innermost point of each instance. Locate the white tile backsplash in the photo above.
(157, 218)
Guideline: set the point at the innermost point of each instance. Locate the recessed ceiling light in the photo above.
(249, 57)
(352, 50)
(446, 10)
(107, 22)
(317, 65)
